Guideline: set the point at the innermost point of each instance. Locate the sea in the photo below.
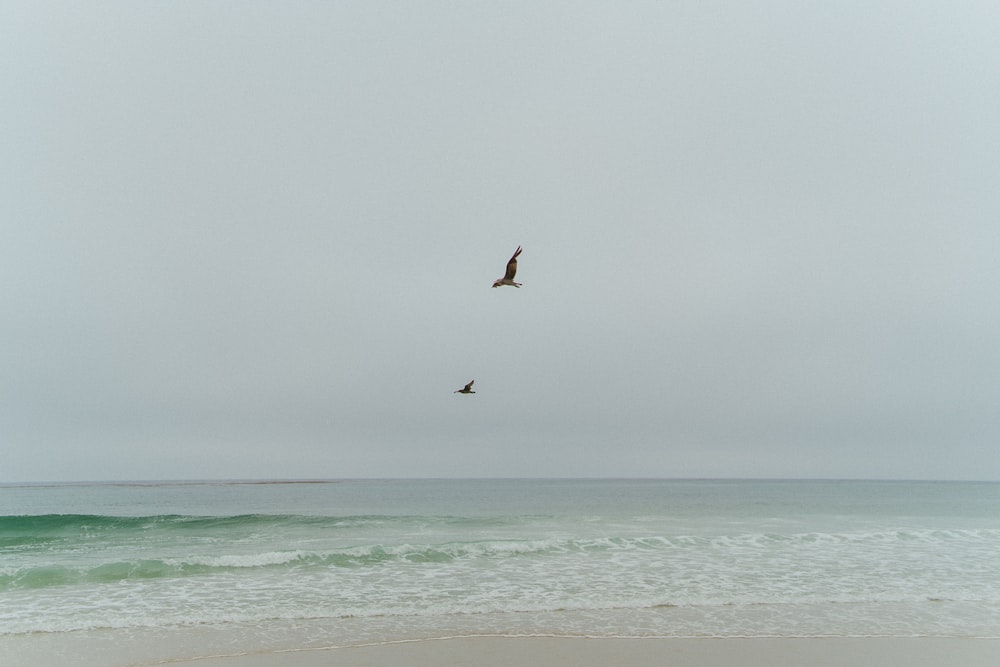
(148, 572)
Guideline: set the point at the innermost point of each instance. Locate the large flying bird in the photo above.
(508, 278)
(467, 389)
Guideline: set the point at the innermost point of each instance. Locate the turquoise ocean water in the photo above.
(356, 561)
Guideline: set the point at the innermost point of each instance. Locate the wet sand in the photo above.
(190, 648)
(582, 652)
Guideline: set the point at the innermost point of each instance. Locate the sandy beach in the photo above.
(583, 652)
(498, 651)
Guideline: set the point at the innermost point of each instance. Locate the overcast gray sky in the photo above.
(256, 239)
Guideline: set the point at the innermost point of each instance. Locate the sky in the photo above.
(257, 239)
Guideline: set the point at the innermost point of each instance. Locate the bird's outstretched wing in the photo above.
(469, 386)
(512, 265)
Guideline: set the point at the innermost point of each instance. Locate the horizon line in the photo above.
(253, 481)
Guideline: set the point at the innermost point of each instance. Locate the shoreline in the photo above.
(496, 651)
(56, 650)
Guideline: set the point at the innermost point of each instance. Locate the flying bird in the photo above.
(467, 389)
(508, 278)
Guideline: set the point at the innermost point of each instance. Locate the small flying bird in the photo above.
(467, 389)
(508, 278)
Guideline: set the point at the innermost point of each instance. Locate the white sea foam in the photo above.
(240, 560)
